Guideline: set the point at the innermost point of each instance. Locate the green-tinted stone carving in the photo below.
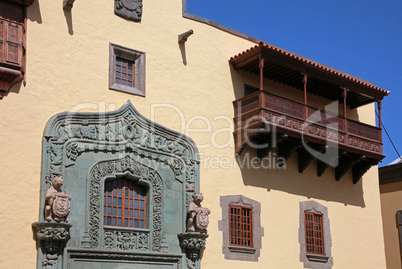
(87, 149)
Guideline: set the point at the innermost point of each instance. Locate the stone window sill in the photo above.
(317, 258)
(242, 249)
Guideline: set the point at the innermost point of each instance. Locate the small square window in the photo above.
(127, 70)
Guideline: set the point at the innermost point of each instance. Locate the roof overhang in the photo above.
(289, 69)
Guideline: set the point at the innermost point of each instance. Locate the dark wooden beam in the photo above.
(305, 158)
(360, 168)
(321, 167)
(286, 150)
(345, 163)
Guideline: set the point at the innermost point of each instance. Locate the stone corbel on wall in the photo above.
(51, 238)
(68, 4)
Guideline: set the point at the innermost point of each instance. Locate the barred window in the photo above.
(124, 72)
(240, 226)
(124, 204)
(314, 233)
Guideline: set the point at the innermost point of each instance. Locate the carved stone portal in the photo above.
(57, 202)
(129, 9)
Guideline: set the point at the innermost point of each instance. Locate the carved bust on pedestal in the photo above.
(57, 202)
(198, 219)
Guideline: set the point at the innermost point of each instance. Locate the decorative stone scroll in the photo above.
(129, 9)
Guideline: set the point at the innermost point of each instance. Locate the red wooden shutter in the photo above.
(2, 41)
(14, 40)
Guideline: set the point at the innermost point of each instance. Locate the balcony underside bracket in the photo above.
(305, 158)
(321, 167)
(345, 163)
(287, 149)
(360, 168)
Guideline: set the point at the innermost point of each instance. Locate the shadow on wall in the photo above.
(308, 184)
(34, 12)
(69, 20)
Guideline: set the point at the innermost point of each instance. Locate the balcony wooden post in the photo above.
(379, 104)
(379, 113)
(261, 95)
(344, 95)
(261, 74)
(305, 96)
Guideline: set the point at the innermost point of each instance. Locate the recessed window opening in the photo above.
(240, 226)
(314, 233)
(124, 72)
(124, 204)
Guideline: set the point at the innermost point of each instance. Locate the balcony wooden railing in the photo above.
(296, 119)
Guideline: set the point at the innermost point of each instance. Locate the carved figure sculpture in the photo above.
(51, 255)
(198, 219)
(57, 202)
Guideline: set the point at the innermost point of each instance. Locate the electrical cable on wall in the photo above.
(389, 137)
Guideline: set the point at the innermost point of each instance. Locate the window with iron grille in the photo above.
(314, 233)
(124, 204)
(240, 226)
(126, 70)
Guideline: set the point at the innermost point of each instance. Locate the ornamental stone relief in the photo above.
(126, 133)
(129, 9)
(85, 149)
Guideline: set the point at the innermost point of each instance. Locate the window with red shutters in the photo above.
(125, 204)
(12, 43)
(240, 226)
(313, 223)
(12, 34)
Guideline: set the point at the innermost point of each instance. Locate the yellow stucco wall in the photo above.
(391, 202)
(67, 69)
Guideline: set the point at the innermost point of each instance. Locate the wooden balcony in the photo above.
(286, 126)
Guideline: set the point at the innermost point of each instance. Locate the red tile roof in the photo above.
(309, 62)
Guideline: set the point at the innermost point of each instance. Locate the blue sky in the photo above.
(362, 38)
